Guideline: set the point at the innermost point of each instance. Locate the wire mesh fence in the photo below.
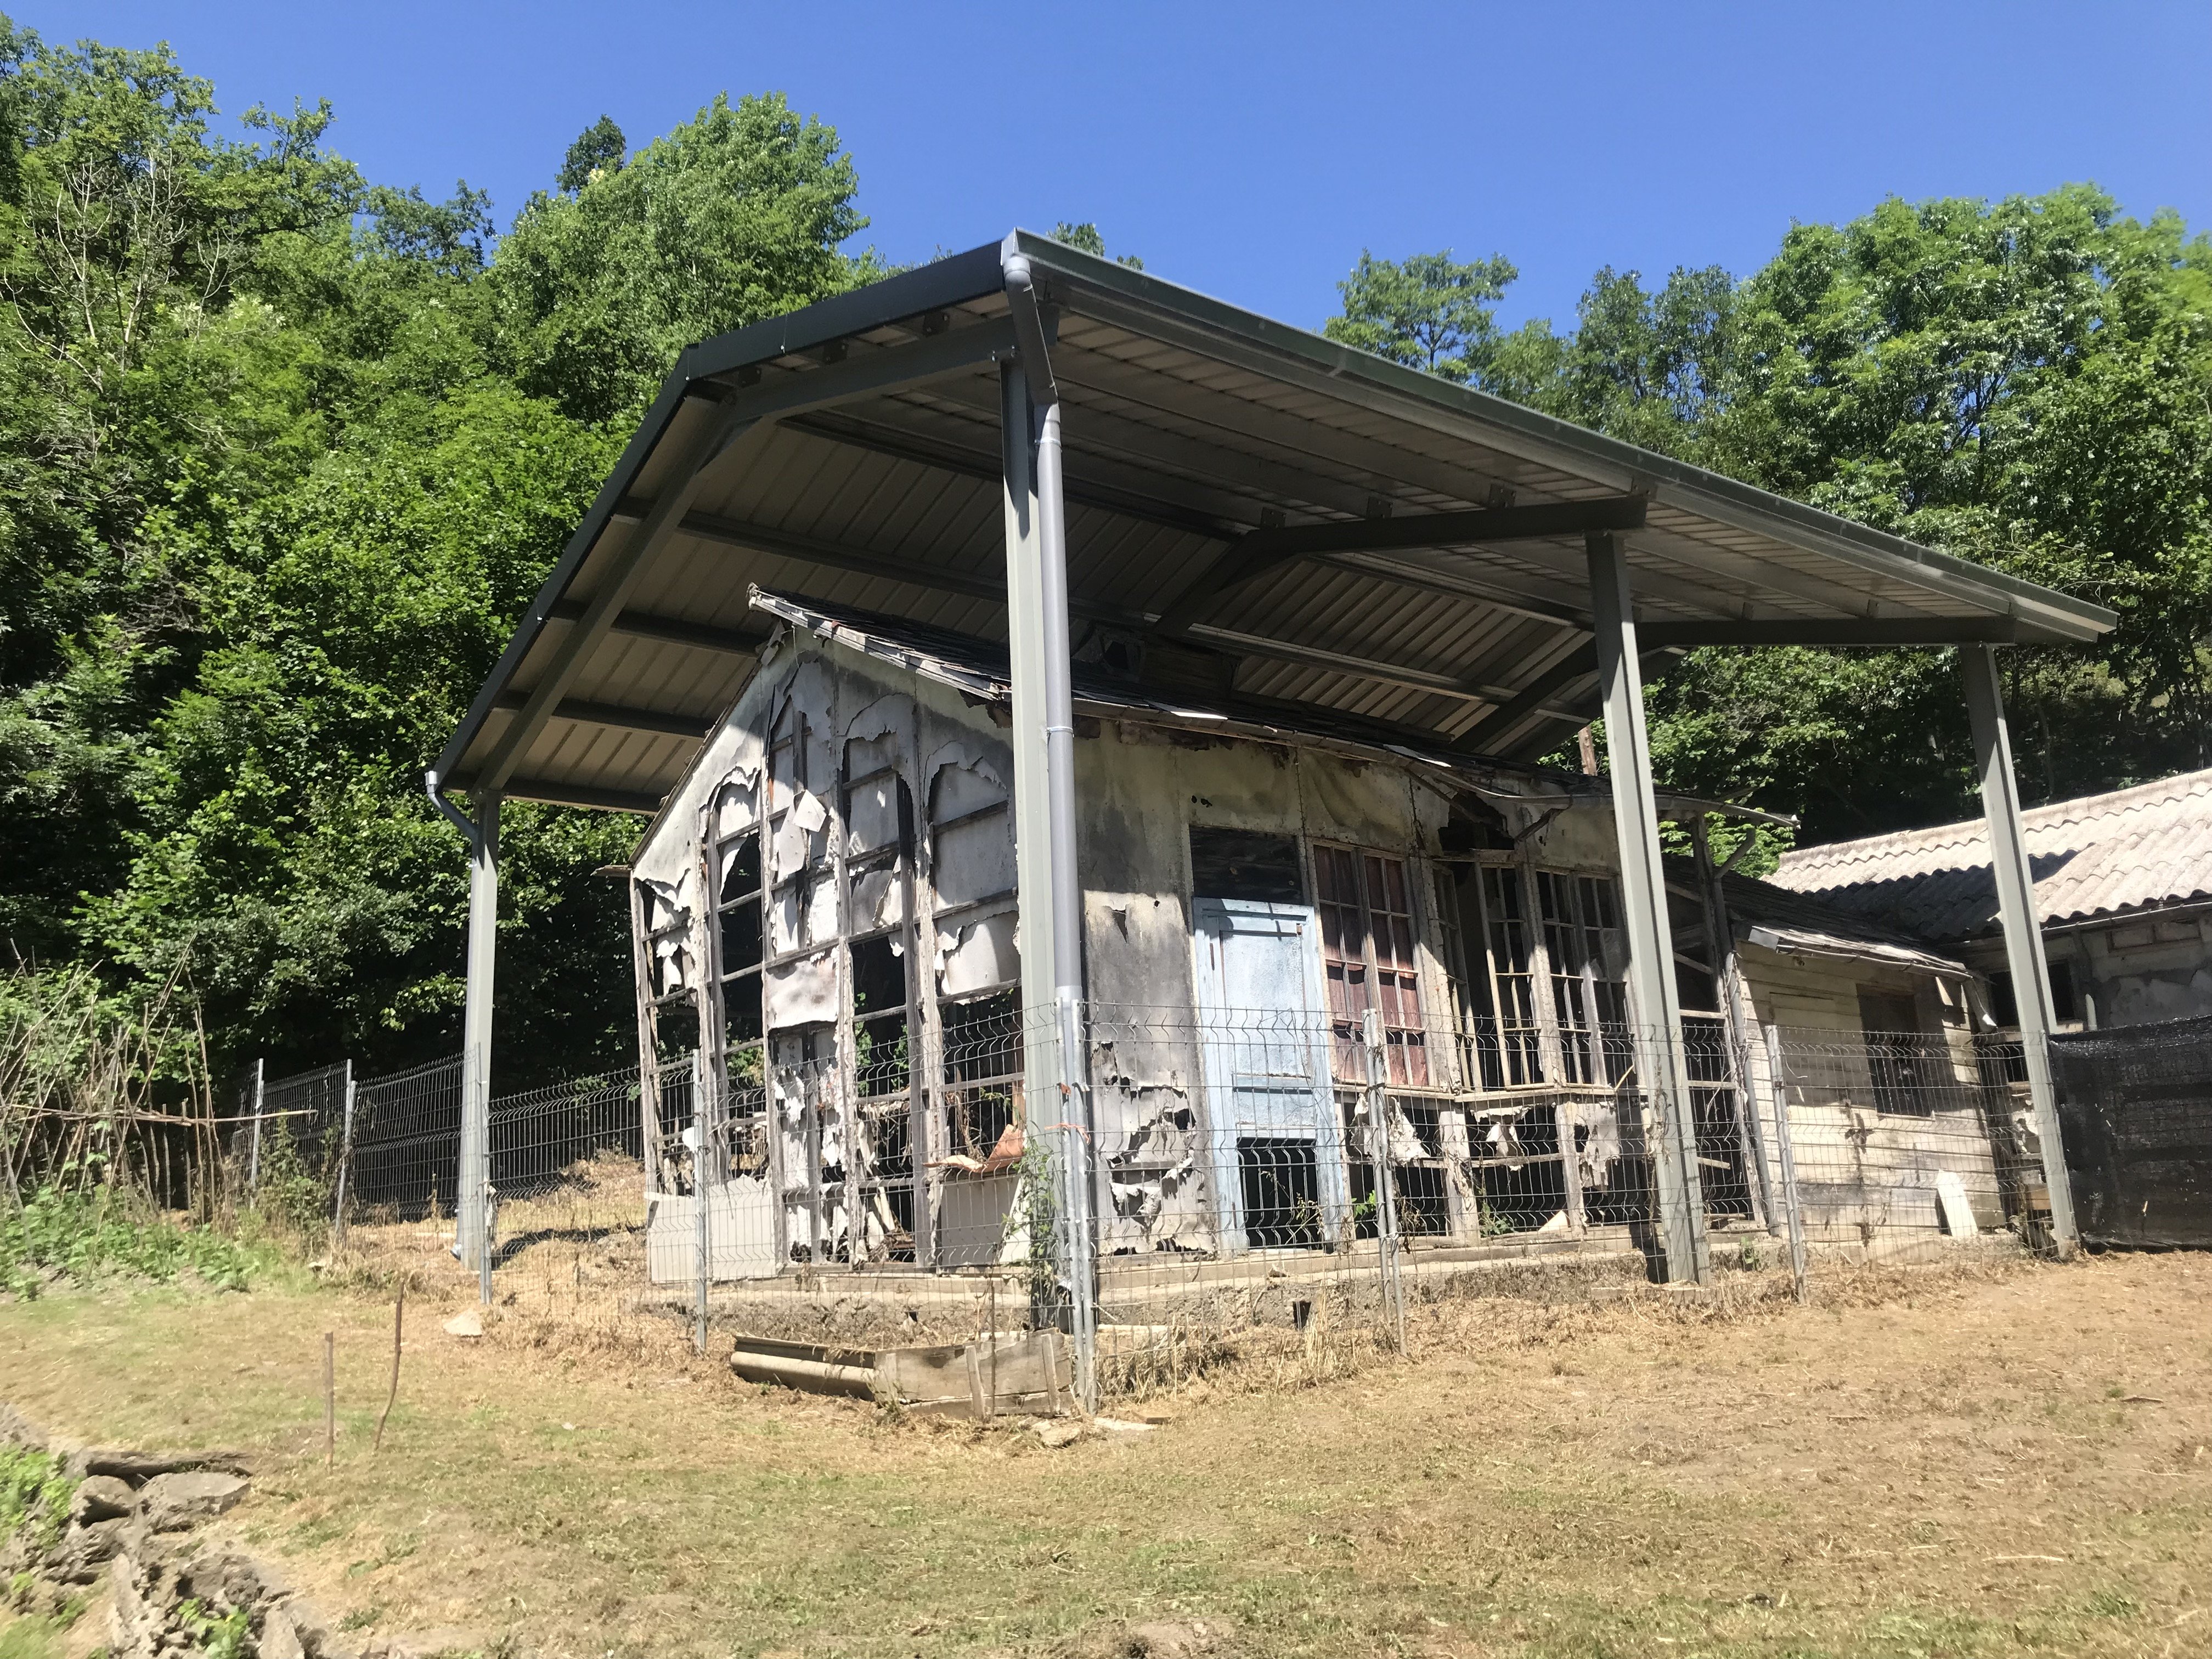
(1174, 1174)
(2136, 1109)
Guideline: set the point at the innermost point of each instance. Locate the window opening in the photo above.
(1901, 1068)
(1582, 944)
(1237, 863)
(1367, 961)
(1513, 976)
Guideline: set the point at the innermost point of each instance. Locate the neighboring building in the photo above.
(2123, 884)
(827, 909)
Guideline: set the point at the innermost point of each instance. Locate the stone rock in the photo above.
(19, 1430)
(85, 1548)
(171, 1503)
(99, 1496)
(137, 1467)
(466, 1324)
(1055, 1434)
(280, 1637)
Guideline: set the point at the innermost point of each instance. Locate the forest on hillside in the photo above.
(286, 450)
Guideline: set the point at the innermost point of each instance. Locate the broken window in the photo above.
(1512, 976)
(982, 1074)
(978, 967)
(1368, 962)
(1585, 954)
(879, 841)
(1236, 863)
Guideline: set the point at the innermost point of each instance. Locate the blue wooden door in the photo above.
(1276, 1147)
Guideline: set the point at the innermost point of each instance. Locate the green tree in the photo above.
(597, 151)
(1425, 312)
(1085, 236)
(286, 453)
(2024, 383)
(738, 215)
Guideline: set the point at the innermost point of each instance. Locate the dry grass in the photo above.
(2002, 1459)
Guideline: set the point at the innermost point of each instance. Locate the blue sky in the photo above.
(1252, 151)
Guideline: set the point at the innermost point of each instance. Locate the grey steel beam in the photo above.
(869, 370)
(2023, 930)
(924, 439)
(1873, 631)
(1515, 711)
(814, 550)
(1265, 550)
(1662, 1073)
(615, 580)
(1359, 667)
(1119, 438)
(553, 793)
(673, 630)
(1457, 574)
(836, 555)
(665, 722)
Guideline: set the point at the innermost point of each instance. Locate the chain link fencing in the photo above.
(1268, 1178)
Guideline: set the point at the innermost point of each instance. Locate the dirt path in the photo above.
(2009, 1465)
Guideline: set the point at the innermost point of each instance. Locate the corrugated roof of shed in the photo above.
(2099, 855)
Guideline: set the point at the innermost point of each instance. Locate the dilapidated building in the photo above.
(1345, 606)
(828, 909)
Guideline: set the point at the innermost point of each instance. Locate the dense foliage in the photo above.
(283, 454)
(284, 451)
(2025, 383)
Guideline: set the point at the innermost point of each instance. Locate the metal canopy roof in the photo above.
(1254, 511)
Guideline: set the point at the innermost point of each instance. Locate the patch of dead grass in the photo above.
(1998, 1458)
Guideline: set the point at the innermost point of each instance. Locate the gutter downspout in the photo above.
(1066, 895)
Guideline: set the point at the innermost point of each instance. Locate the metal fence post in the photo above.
(701, 1234)
(254, 1151)
(345, 1160)
(1790, 1207)
(1386, 1187)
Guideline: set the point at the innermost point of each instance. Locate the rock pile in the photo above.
(140, 1518)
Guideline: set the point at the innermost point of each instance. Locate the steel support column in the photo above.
(2023, 929)
(472, 1180)
(1670, 1132)
(1051, 915)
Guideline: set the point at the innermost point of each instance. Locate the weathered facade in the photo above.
(827, 908)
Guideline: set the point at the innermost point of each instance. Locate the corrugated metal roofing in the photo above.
(979, 669)
(871, 478)
(2100, 855)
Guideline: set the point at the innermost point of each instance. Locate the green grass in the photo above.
(35, 1497)
(80, 1234)
(22, 1636)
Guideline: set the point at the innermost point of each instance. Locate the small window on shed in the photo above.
(1236, 863)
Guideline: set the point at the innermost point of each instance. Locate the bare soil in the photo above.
(2009, 1459)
